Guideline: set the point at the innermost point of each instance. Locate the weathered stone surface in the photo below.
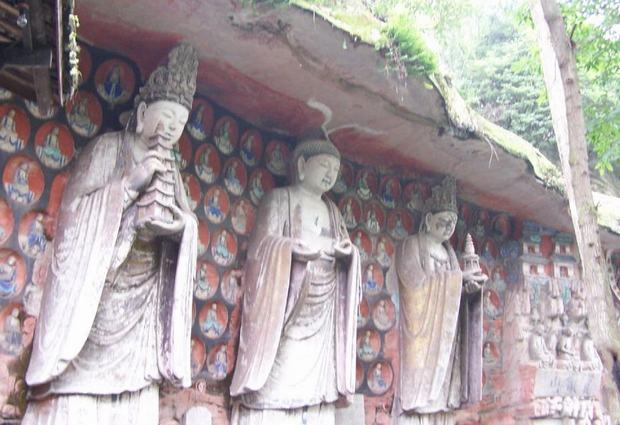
(302, 276)
(441, 315)
(197, 415)
(566, 383)
(116, 310)
(352, 414)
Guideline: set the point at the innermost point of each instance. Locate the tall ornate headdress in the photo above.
(175, 81)
(443, 197)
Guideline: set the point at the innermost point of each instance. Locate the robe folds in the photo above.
(95, 240)
(440, 334)
(278, 291)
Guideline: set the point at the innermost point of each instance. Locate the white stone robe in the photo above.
(298, 328)
(440, 336)
(116, 311)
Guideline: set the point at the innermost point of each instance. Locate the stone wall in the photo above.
(227, 166)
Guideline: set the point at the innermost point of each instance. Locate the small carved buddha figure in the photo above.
(426, 268)
(589, 355)
(19, 188)
(50, 153)
(538, 348)
(298, 327)
(204, 169)
(566, 351)
(8, 274)
(9, 139)
(196, 126)
(349, 216)
(555, 303)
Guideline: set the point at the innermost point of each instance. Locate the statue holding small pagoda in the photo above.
(116, 314)
(440, 325)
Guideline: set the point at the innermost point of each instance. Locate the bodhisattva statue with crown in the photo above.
(116, 313)
(440, 325)
(302, 287)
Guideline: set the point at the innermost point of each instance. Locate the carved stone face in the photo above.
(318, 173)
(163, 117)
(440, 226)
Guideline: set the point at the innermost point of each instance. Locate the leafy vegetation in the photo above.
(489, 50)
(594, 27)
(407, 47)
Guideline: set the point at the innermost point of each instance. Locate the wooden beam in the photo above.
(10, 29)
(59, 48)
(17, 87)
(20, 57)
(9, 9)
(42, 83)
(16, 78)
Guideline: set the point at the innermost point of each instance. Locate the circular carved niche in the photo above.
(213, 319)
(207, 280)
(54, 145)
(219, 362)
(207, 163)
(7, 221)
(277, 156)
(235, 176)
(12, 273)
(198, 356)
(344, 181)
(380, 377)
(14, 128)
(226, 135)
(183, 152)
(115, 81)
(84, 114)
(23, 179)
(192, 190)
(372, 279)
(261, 182)
(204, 237)
(368, 345)
(200, 120)
(31, 235)
(216, 204)
(251, 147)
(224, 247)
(384, 314)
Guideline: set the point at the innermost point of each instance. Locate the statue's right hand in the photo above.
(303, 252)
(142, 174)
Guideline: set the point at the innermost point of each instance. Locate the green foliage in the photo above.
(499, 75)
(395, 33)
(594, 28)
(490, 50)
(406, 47)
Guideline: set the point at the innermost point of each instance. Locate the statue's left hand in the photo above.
(343, 248)
(474, 280)
(472, 287)
(164, 228)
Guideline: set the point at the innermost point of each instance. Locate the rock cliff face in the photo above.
(537, 362)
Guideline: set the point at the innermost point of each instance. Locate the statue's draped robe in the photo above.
(298, 328)
(440, 331)
(116, 311)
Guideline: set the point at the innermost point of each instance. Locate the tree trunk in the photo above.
(560, 72)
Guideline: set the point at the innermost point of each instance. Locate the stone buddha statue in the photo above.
(302, 288)
(116, 312)
(440, 334)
